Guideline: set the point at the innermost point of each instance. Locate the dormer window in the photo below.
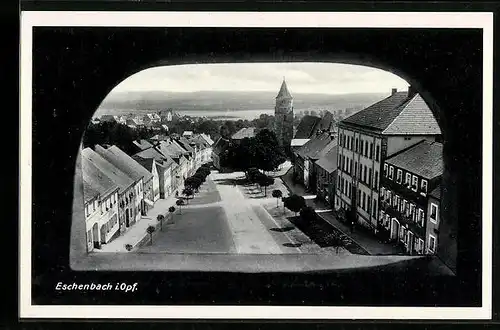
(414, 184)
(408, 180)
(385, 170)
(391, 173)
(399, 176)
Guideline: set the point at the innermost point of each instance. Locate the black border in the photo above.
(72, 5)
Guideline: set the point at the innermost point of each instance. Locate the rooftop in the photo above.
(328, 161)
(397, 114)
(220, 145)
(124, 162)
(313, 148)
(306, 127)
(424, 159)
(122, 180)
(284, 93)
(246, 132)
(436, 192)
(96, 180)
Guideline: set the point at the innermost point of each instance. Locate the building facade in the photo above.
(326, 182)
(433, 221)
(283, 113)
(367, 139)
(408, 178)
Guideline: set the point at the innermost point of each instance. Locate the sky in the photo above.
(324, 78)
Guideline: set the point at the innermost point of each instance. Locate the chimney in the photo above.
(394, 91)
(411, 91)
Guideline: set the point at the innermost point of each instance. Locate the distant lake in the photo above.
(213, 114)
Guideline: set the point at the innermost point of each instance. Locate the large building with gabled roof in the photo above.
(367, 139)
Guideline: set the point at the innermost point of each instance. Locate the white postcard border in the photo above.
(481, 20)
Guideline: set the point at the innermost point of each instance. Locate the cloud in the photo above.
(329, 78)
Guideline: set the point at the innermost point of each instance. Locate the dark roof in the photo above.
(326, 122)
(183, 142)
(142, 144)
(314, 147)
(245, 132)
(89, 192)
(306, 127)
(147, 163)
(397, 114)
(220, 145)
(284, 93)
(328, 161)
(380, 115)
(424, 159)
(436, 193)
(124, 162)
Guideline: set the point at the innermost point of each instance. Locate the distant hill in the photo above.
(117, 103)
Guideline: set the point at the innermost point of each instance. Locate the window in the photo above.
(382, 192)
(403, 208)
(407, 138)
(402, 234)
(382, 215)
(421, 217)
(420, 246)
(362, 147)
(432, 244)
(385, 170)
(370, 177)
(364, 200)
(389, 196)
(434, 213)
(360, 171)
(408, 180)
(371, 150)
(397, 203)
(364, 173)
(350, 167)
(391, 173)
(399, 177)
(413, 212)
(86, 210)
(414, 184)
(356, 148)
(375, 184)
(374, 208)
(377, 153)
(355, 168)
(359, 197)
(338, 161)
(424, 187)
(369, 206)
(366, 149)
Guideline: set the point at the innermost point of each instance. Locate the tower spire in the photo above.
(284, 93)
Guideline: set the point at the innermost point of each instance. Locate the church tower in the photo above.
(283, 113)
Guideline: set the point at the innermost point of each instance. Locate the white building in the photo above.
(370, 136)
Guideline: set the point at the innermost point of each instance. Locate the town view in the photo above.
(285, 159)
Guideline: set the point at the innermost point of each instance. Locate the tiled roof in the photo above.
(96, 179)
(142, 144)
(284, 93)
(246, 132)
(89, 192)
(207, 138)
(380, 115)
(124, 162)
(328, 161)
(122, 180)
(424, 159)
(184, 143)
(147, 163)
(414, 118)
(313, 148)
(306, 127)
(436, 193)
(326, 122)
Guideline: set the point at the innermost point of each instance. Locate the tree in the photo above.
(269, 154)
(171, 210)
(179, 203)
(294, 203)
(150, 230)
(160, 218)
(187, 191)
(265, 181)
(277, 194)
